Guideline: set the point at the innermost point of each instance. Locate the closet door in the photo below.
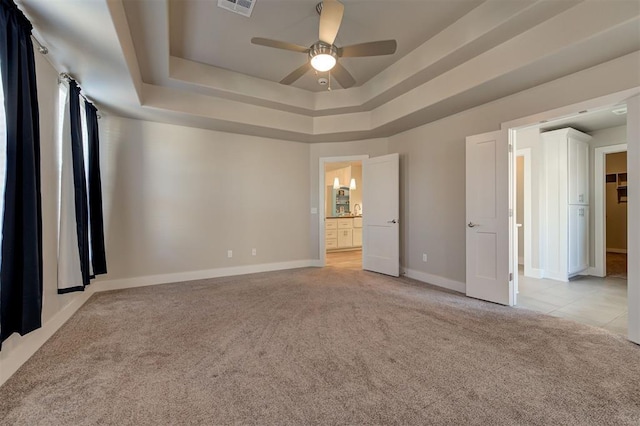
(578, 164)
(584, 238)
(578, 238)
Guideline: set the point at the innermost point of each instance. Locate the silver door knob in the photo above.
(472, 225)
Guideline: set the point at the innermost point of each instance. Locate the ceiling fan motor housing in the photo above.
(321, 48)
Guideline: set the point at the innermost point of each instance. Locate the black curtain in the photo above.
(21, 269)
(79, 181)
(99, 260)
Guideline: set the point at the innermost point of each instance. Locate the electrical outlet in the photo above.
(229, 253)
(253, 252)
(424, 257)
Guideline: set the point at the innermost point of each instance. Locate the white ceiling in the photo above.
(203, 32)
(192, 63)
(588, 121)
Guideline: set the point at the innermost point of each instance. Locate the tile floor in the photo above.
(601, 302)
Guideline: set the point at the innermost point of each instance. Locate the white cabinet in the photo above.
(565, 195)
(345, 238)
(357, 232)
(578, 238)
(331, 234)
(578, 172)
(343, 233)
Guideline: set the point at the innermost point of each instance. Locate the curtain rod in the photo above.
(41, 48)
(66, 77)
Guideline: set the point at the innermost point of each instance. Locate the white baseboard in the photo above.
(520, 260)
(593, 271)
(616, 250)
(556, 277)
(436, 280)
(16, 350)
(317, 263)
(143, 281)
(533, 273)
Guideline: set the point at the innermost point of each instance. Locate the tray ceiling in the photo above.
(201, 31)
(192, 63)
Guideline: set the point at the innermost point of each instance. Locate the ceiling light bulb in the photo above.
(353, 184)
(336, 183)
(323, 62)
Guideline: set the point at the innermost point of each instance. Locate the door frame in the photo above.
(322, 199)
(526, 154)
(599, 186)
(630, 97)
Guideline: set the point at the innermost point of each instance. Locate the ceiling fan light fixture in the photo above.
(323, 62)
(323, 56)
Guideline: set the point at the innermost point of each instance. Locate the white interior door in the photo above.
(488, 225)
(381, 212)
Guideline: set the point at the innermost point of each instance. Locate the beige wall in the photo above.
(616, 223)
(177, 198)
(433, 162)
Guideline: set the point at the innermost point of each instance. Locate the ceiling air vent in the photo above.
(242, 7)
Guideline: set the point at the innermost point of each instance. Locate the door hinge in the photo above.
(510, 276)
(510, 212)
(510, 147)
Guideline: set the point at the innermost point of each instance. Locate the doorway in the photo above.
(616, 214)
(341, 207)
(585, 296)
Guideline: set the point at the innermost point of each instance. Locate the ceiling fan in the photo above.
(323, 54)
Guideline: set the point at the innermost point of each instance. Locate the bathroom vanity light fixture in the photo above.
(336, 183)
(352, 185)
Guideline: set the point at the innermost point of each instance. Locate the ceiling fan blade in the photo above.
(374, 48)
(330, 20)
(299, 72)
(279, 44)
(343, 76)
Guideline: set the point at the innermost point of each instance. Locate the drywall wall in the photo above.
(616, 219)
(16, 349)
(371, 147)
(178, 198)
(433, 162)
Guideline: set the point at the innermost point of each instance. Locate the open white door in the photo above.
(381, 201)
(487, 221)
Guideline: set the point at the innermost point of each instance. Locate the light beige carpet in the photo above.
(320, 346)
